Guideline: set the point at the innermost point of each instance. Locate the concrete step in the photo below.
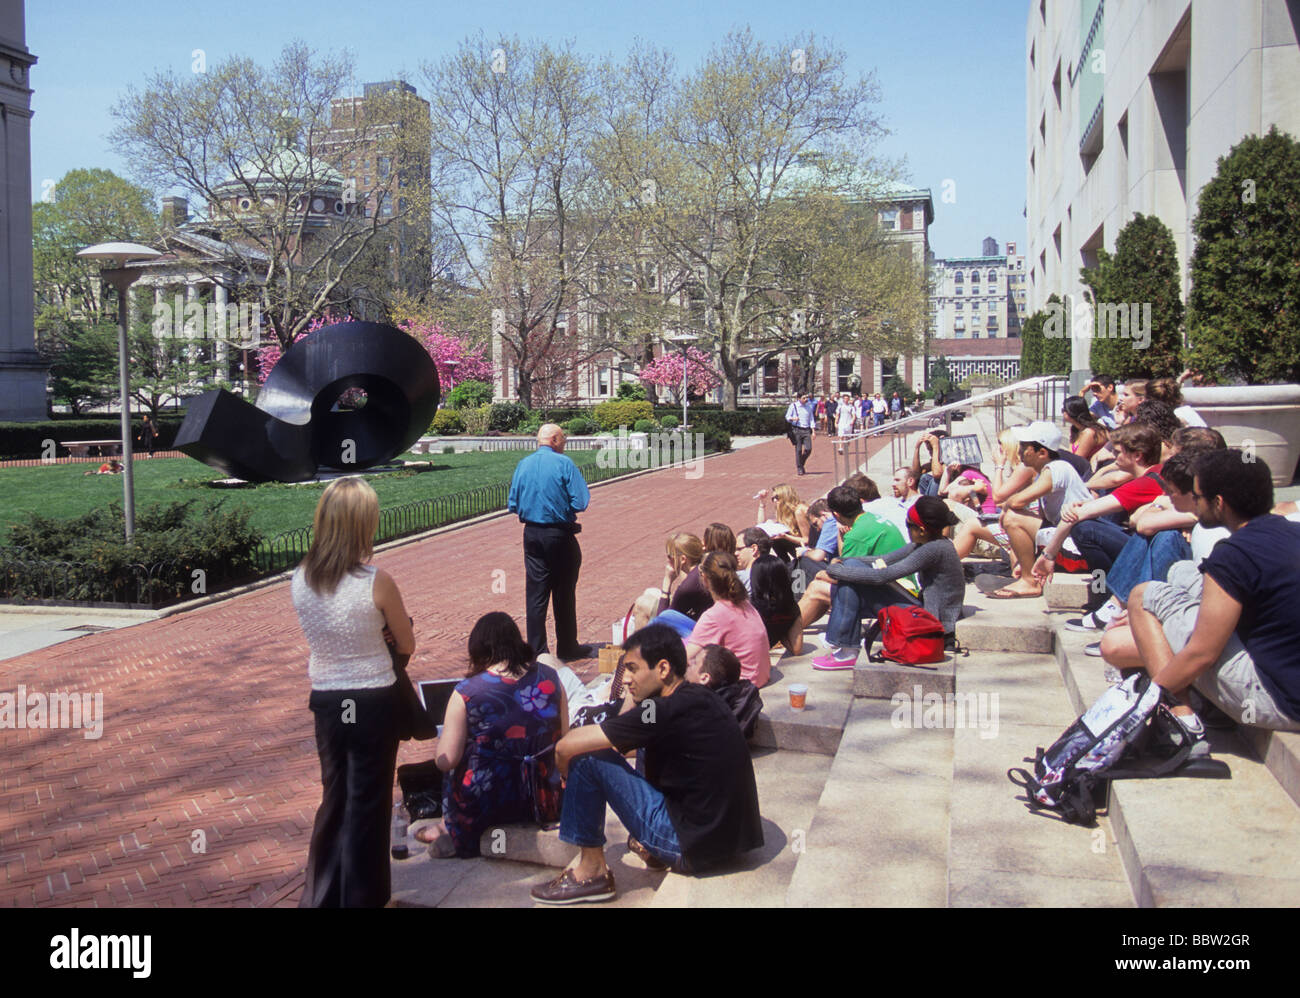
(1280, 751)
(1201, 843)
(789, 787)
(879, 836)
(816, 728)
(881, 680)
(1001, 854)
(1018, 625)
(1067, 592)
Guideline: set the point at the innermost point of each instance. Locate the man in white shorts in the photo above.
(1235, 632)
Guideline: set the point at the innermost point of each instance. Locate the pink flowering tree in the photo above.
(455, 359)
(666, 372)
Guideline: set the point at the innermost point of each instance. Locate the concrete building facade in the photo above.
(1130, 104)
(974, 300)
(22, 374)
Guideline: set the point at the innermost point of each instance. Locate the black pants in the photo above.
(347, 864)
(552, 559)
(802, 446)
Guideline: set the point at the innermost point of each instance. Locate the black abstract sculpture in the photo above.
(296, 427)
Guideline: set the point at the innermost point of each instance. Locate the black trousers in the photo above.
(552, 559)
(802, 447)
(348, 861)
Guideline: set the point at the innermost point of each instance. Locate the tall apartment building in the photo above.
(976, 310)
(1130, 105)
(364, 155)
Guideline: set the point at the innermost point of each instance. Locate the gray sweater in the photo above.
(936, 566)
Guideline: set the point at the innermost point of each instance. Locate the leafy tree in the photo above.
(1244, 308)
(722, 172)
(1054, 350)
(940, 375)
(1031, 345)
(700, 375)
(86, 207)
(633, 390)
(1143, 272)
(82, 358)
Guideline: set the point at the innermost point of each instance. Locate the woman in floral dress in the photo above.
(507, 708)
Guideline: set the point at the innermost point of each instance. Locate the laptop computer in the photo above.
(434, 694)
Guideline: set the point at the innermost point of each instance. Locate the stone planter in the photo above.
(1266, 415)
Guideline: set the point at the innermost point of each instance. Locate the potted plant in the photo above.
(1244, 307)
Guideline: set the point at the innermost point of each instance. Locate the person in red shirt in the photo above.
(1137, 450)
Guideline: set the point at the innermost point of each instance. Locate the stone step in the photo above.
(881, 680)
(1193, 842)
(789, 787)
(1018, 625)
(1280, 751)
(1067, 592)
(879, 836)
(1000, 853)
(816, 728)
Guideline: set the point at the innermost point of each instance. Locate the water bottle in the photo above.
(400, 825)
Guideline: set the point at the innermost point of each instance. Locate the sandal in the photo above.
(1005, 593)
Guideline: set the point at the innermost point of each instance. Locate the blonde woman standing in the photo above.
(344, 606)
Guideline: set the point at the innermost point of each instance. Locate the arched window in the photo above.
(958, 277)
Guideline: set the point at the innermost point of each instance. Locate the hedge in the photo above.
(26, 441)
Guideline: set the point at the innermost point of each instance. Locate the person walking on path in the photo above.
(799, 417)
(547, 493)
(148, 434)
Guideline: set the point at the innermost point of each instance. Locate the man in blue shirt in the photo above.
(1105, 398)
(548, 492)
(800, 416)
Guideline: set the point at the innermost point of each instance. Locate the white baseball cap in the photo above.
(1042, 433)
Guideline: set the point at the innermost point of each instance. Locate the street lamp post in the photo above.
(122, 277)
(684, 339)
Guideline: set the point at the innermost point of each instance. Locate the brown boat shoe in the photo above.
(564, 889)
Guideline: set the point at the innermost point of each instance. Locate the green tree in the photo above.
(85, 207)
(469, 395)
(82, 358)
(940, 375)
(1054, 351)
(1141, 279)
(1031, 345)
(1244, 308)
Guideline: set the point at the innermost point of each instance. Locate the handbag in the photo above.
(413, 720)
(421, 784)
(542, 782)
(910, 635)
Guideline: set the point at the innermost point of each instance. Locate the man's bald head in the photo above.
(551, 435)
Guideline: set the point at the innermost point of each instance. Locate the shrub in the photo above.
(449, 449)
(1244, 306)
(581, 426)
(632, 390)
(1144, 271)
(530, 426)
(476, 420)
(669, 422)
(469, 395)
(447, 422)
(177, 536)
(505, 416)
(612, 415)
(26, 441)
(716, 440)
(743, 422)
(644, 426)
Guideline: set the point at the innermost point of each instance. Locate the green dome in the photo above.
(287, 166)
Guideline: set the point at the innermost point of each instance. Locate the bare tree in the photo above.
(257, 150)
(515, 186)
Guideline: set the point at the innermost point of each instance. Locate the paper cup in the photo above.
(798, 695)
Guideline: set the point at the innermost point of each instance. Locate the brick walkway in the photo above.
(206, 730)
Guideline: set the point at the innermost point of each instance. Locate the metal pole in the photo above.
(122, 282)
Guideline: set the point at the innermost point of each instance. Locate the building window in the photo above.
(958, 277)
(959, 305)
(771, 377)
(974, 276)
(843, 373)
(602, 381)
(993, 275)
(959, 291)
(889, 218)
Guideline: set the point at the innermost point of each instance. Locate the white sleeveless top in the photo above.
(345, 632)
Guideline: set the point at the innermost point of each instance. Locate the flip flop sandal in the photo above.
(1006, 594)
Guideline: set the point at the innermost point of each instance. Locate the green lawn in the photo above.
(64, 490)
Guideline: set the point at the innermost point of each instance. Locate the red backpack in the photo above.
(910, 635)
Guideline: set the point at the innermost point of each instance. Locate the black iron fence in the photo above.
(26, 577)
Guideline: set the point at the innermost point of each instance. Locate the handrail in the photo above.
(857, 441)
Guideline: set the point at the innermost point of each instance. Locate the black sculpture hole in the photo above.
(351, 400)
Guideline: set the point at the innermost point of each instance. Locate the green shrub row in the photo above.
(26, 441)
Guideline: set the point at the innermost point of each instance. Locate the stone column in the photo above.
(22, 374)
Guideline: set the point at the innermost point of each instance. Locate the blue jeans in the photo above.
(1145, 559)
(852, 601)
(927, 485)
(1100, 542)
(601, 778)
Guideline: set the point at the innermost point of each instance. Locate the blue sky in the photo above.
(951, 73)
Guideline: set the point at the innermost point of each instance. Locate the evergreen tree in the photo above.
(1244, 309)
(1031, 345)
(1054, 351)
(1143, 272)
(940, 375)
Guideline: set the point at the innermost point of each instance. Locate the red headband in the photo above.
(914, 517)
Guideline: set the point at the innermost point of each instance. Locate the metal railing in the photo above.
(1049, 391)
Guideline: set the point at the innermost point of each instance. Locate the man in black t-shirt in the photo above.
(1240, 643)
(697, 804)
